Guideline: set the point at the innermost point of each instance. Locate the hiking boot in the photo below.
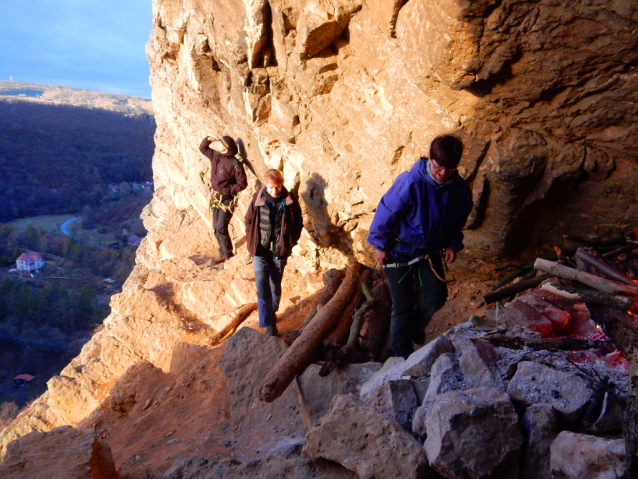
(220, 259)
(271, 330)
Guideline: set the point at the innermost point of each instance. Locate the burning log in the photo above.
(588, 279)
(515, 289)
(622, 303)
(299, 354)
(603, 267)
(542, 344)
(241, 313)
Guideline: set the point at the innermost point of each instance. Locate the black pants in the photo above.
(411, 311)
(221, 219)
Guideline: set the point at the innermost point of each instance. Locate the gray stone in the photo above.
(536, 383)
(420, 362)
(365, 441)
(392, 369)
(579, 456)
(397, 400)
(446, 376)
(473, 434)
(420, 388)
(477, 360)
(419, 421)
(316, 392)
(541, 429)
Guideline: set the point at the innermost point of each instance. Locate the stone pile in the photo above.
(472, 410)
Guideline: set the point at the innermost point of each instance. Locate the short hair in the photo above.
(274, 175)
(446, 150)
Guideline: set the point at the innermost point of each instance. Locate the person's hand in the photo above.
(450, 255)
(382, 256)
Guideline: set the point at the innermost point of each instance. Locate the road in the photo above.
(64, 225)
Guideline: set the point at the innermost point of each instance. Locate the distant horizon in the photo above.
(85, 44)
(51, 85)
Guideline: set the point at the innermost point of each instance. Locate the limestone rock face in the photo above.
(63, 453)
(342, 96)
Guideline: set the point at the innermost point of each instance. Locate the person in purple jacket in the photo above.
(418, 225)
(227, 179)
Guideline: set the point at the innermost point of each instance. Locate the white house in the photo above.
(28, 262)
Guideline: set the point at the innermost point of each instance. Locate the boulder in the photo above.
(536, 383)
(396, 399)
(473, 434)
(540, 424)
(477, 361)
(62, 453)
(365, 441)
(245, 373)
(420, 361)
(446, 376)
(392, 369)
(316, 392)
(576, 456)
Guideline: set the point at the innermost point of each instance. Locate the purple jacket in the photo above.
(417, 215)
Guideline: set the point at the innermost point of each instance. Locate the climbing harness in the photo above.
(413, 261)
(216, 202)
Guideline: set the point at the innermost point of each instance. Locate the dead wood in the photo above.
(541, 344)
(298, 355)
(517, 273)
(339, 334)
(515, 289)
(332, 280)
(589, 296)
(601, 266)
(588, 279)
(378, 319)
(241, 313)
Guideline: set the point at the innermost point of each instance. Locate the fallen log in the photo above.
(604, 268)
(591, 280)
(332, 281)
(622, 303)
(541, 344)
(515, 288)
(339, 334)
(298, 355)
(241, 313)
(378, 318)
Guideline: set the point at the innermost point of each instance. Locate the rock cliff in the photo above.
(343, 95)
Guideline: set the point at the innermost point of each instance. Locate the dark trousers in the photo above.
(221, 219)
(269, 272)
(416, 295)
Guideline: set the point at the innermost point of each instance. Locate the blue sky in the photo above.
(95, 45)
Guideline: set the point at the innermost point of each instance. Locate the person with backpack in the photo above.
(416, 228)
(227, 179)
(273, 227)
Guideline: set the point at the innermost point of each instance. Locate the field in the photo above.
(48, 223)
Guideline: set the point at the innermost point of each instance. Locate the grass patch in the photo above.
(48, 223)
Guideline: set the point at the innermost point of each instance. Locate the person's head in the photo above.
(445, 155)
(229, 144)
(273, 181)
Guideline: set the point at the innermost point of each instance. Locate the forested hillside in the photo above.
(57, 158)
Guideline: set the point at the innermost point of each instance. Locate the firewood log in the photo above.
(604, 268)
(622, 303)
(332, 281)
(298, 355)
(588, 279)
(515, 289)
(241, 313)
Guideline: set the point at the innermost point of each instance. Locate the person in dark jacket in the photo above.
(273, 227)
(416, 227)
(227, 179)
